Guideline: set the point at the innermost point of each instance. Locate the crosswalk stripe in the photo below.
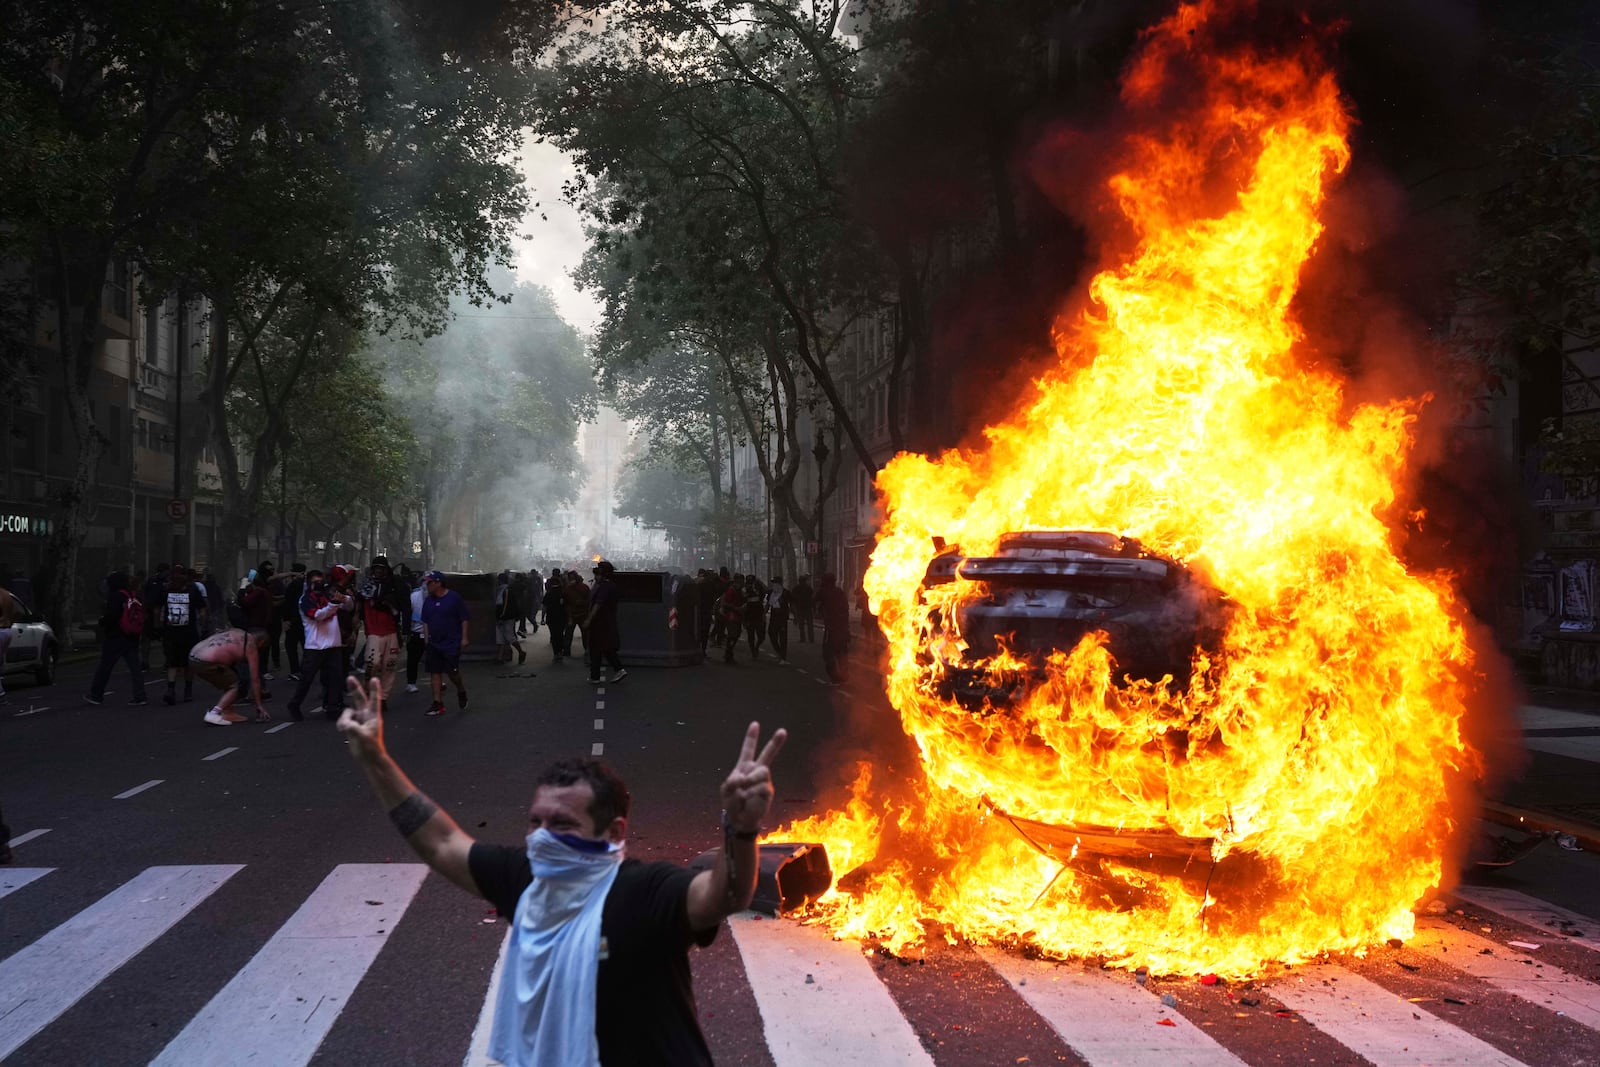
(1510, 971)
(1532, 912)
(287, 997)
(46, 978)
(1386, 1029)
(23, 839)
(1107, 1019)
(821, 1004)
(14, 878)
(478, 1050)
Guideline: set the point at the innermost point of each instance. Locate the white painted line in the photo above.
(1510, 971)
(31, 711)
(599, 705)
(14, 878)
(843, 1015)
(1106, 1017)
(23, 839)
(219, 753)
(1532, 911)
(136, 790)
(599, 724)
(597, 749)
(280, 726)
(52, 974)
(478, 1050)
(600, 692)
(1386, 1029)
(285, 1000)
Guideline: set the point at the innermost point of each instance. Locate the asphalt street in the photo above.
(158, 918)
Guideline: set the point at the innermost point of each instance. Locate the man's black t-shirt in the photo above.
(644, 1002)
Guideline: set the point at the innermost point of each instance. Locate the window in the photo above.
(117, 289)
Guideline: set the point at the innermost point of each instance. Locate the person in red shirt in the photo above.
(386, 613)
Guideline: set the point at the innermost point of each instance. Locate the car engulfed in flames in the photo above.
(1044, 591)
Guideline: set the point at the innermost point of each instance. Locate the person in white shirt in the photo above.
(415, 643)
(319, 609)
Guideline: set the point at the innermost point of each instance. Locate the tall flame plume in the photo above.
(1319, 744)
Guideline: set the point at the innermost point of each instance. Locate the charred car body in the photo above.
(1043, 591)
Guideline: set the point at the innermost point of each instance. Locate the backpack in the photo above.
(235, 611)
(131, 621)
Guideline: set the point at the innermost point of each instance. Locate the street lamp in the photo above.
(820, 451)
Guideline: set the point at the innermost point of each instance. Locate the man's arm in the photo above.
(431, 833)
(746, 795)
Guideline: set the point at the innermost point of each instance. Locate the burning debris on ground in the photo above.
(1179, 701)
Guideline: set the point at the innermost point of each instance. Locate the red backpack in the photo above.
(132, 620)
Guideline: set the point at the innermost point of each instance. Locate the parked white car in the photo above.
(33, 647)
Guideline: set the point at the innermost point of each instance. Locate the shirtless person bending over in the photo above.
(217, 660)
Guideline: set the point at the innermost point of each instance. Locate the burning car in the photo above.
(1043, 591)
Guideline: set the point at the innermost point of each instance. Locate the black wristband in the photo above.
(738, 835)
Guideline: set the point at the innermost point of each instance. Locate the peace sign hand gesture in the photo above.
(747, 791)
(362, 722)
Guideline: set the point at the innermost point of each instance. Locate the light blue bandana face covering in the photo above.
(545, 1012)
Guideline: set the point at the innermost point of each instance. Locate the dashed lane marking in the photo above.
(136, 790)
(600, 692)
(599, 705)
(14, 878)
(599, 724)
(219, 753)
(31, 711)
(597, 749)
(23, 839)
(280, 726)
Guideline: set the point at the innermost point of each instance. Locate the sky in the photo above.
(552, 245)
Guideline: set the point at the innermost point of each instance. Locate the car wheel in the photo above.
(45, 673)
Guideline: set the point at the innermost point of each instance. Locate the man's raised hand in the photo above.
(747, 791)
(362, 722)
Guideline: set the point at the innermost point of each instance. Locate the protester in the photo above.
(445, 618)
(386, 614)
(577, 596)
(803, 599)
(267, 619)
(179, 608)
(320, 607)
(755, 615)
(218, 660)
(533, 600)
(517, 595)
(778, 604)
(216, 608)
(415, 645)
(121, 627)
(596, 968)
(343, 579)
(150, 590)
(731, 614)
(9, 611)
(719, 619)
(294, 634)
(835, 612)
(601, 638)
(555, 615)
(506, 617)
(705, 592)
(869, 621)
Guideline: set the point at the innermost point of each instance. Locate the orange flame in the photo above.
(1313, 749)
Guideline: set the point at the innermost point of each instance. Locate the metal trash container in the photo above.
(656, 618)
(478, 591)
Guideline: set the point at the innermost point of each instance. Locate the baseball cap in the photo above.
(380, 561)
(604, 567)
(433, 576)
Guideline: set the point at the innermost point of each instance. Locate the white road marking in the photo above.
(597, 749)
(599, 724)
(599, 705)
(1510, 971)
(23, 839)
(285, 1000)
(1535, 913)
(219, 753)
(478, 1050)
(136, 790)
(31, 711)
(1387, 1029)
(52, 974)
(1106, 1017)
(844, 1015)
(280, 726)
(14, 878)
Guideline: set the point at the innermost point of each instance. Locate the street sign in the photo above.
(177, 509)
(811, 548)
